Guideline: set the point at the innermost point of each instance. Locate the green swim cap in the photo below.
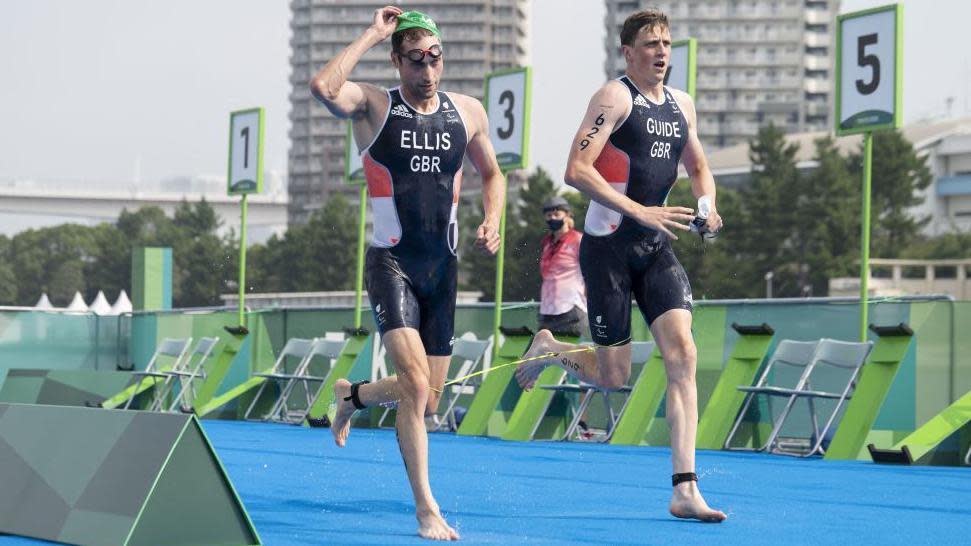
(417, 19)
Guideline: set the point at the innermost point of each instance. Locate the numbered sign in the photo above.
(246, 151)
(353, 166)
(507, 96)
(682, 70)
(868, 70)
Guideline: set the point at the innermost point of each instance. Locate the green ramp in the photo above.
(741, 369)
(642, 406)
(355, 356)
(871, 390)
(61, 387)
(496, 397)
(96, 476)
(926, 445)
(530, 414)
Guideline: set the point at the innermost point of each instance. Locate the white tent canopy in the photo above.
(77, 304)
(44, 302)
(122, 304)
(100, 305)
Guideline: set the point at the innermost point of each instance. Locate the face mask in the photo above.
(554, 225)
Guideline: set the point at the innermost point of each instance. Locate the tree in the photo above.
(827, 220)
(318, 255)
(898, 174)
(765, 221)
(525, 227)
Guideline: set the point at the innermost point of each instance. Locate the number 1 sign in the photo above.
(246, 151)
(868, 70)
(507, 97)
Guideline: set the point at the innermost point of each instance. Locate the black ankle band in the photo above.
(683, 477)
(353, 397)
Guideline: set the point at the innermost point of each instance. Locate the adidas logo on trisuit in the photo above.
(400, 110)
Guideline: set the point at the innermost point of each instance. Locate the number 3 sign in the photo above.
(246, 151)
(507, 97)
(868, 70)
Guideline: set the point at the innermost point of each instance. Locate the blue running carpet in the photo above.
(300, 489)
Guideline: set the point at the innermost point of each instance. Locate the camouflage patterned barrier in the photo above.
(105, 477)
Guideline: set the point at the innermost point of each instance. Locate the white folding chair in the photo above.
(310, 380)
(281, 372)
(471, 353)
(783, 372)
(169, 350)
(640, 352)
(193, 370)
(833, 358)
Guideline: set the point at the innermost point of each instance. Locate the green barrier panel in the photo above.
(642, 407)
(925, 445)
(870, 393)
(530, 413)
(140, 387)
(726, 400)
(496, 397)
(231, 343)
(61, 387)
(355, 356)
(95, 476)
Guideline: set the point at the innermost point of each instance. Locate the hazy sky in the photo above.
(90, 89)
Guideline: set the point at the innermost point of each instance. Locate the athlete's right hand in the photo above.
(386, 21)
(662, 218)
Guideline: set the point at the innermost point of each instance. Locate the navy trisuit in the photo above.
(618, 256)
(414, 173)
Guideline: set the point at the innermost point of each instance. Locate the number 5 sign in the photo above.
(246, 151)
(869, 54)
(507, 97)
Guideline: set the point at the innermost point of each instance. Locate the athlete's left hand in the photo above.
(487, 239)
(714, 223)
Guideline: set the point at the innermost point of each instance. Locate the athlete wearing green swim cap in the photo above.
(417, 19)
(416, 138)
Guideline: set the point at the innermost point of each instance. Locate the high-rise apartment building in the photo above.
(759, 61)
(478, 37)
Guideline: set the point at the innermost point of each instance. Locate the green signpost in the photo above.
(245, 175)
(508, 94)
(869, 60)
(354, 174)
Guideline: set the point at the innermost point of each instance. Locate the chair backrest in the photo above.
(788, 363)
(469, 352)
(836, 363)
(295, 347)
(321, 357)
(470, 349)
(328, 348)
(170, 347)
(201, 353)
(205, 345)
(640, 351)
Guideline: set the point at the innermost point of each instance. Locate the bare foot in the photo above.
(527, 372)
(341, 426)
(432, 525)
(687, 503)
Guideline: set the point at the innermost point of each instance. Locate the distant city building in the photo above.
(946, 144)
(33, 204)
(759, 61)
(478, 37)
